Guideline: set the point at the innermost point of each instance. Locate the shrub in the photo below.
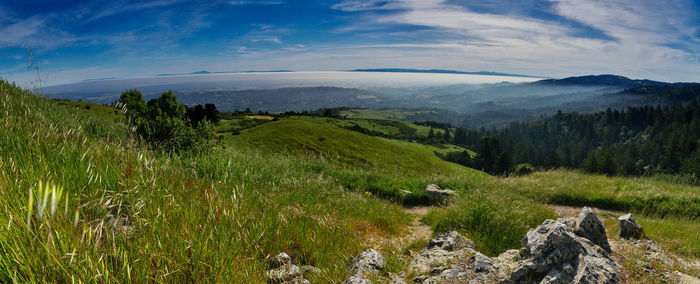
(523, 169)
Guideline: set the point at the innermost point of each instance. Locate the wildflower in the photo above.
(219, 181)
(676, 271)
(333, 212)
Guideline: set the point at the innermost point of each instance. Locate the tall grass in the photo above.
(126, 214)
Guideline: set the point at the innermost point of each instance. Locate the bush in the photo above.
(163, 123)
(523, 169)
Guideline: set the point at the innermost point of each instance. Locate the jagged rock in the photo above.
(279, 260)
(590, 227)
(629, 227)
(356, 279)
(368, 262)
(441, 250)
(449, 241)
(438, 194)
(481, 263)
(555, 253)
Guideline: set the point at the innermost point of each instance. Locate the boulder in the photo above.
(555, 252)
(629, 227)
(368, 262)
(438, 194)
(591, 228)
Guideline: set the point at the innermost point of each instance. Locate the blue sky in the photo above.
(78, 40)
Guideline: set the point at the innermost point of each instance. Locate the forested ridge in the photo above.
(637, 141)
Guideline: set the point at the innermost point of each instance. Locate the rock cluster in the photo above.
(438, 194)
(283, 271)
(561, 251)
(555, 252)
(629, 227)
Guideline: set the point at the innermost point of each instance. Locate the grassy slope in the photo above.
(266, 191)
(212, 218)
(392, 114)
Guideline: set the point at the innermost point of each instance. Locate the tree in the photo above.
(133, 100)
(211, 113)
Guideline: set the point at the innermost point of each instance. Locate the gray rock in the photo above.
(591, 228)
(438, 194)
(396, 278)
(481, 263)
(279, 260)
(629, 227)
(420, 278)
(555, 253)
(440, 251)
(355, 279)
(368, 262)
(308, 269)
(449, 241)
(284, 273)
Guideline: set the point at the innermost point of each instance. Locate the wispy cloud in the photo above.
(366, 5)
(254, 2)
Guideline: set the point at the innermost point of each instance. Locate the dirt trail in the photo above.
(416, 231)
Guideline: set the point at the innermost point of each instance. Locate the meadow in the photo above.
(121, 212)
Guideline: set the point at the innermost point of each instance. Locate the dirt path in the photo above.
(416, 231)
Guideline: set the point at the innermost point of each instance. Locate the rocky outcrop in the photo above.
(629, 229)
(555, 252)
(438, 194)
(561, 251)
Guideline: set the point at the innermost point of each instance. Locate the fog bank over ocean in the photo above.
(272, 80)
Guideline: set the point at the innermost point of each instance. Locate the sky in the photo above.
(72, 41)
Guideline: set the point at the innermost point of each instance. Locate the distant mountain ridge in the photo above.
(600, 80)
(442, 71)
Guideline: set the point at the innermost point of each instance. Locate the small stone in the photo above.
(438, 194)
(279, 260)
(591, 228)
(404, 192)
(629, 227)
(310, 269)
(284, 273)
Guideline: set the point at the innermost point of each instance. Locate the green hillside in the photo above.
(300, 135)
(302, 185)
